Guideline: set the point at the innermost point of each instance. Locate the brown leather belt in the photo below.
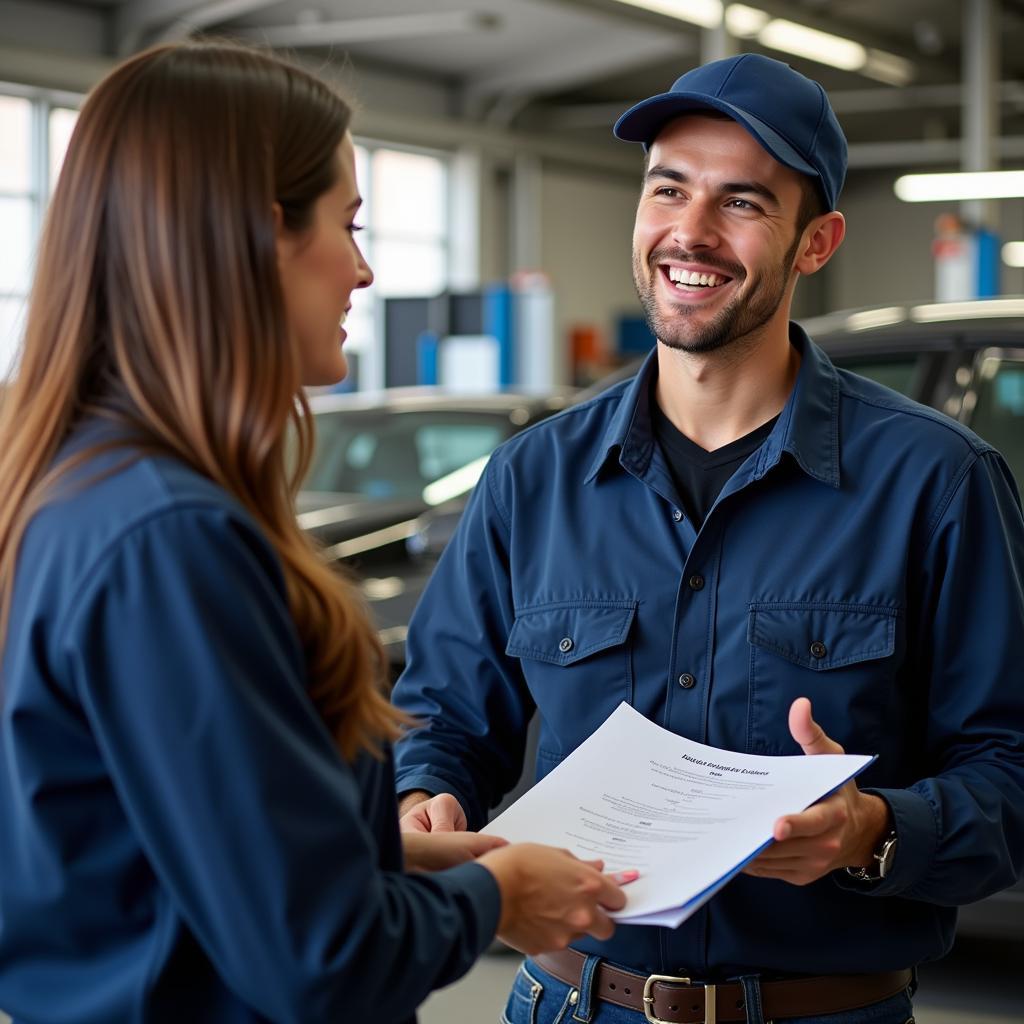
(660, 998)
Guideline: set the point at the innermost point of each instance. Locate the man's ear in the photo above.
(821, 239)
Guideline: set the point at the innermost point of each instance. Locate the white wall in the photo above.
(587, 228)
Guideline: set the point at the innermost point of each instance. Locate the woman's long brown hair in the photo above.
(157, 303)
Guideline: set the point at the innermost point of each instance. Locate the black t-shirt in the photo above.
(700, 475)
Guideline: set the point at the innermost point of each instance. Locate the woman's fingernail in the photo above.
(623, 877)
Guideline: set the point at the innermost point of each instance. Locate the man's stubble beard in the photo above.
(741, 318)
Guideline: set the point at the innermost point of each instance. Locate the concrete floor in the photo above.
(981, 982)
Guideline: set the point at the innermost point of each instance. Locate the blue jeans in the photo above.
(539, 998)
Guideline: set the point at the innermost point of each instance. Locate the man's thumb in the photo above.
(806, 731)
(445, 814)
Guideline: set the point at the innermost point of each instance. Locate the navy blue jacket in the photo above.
(179, 838)
(870, 556)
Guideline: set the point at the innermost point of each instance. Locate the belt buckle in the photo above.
(710, 1009)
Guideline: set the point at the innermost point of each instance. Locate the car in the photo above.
(964, 358)
(381, 460)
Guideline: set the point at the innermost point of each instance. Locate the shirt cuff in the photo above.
(916, 830)
(435, 784)
(482, 889)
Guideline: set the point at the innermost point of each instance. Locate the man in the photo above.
(740, 527)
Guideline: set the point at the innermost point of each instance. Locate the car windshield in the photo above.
(388, 454)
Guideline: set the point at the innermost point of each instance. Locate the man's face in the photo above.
(715, 234)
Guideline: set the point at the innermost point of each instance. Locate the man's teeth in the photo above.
(693, 278)
(344, 317)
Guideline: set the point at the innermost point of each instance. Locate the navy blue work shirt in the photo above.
(180, 840)
(869, 555)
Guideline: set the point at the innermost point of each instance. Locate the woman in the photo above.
(197, 820)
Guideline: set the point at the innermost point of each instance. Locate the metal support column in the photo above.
(716, 42)
(980, 110)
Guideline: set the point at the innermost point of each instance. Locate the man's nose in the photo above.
(696, 226)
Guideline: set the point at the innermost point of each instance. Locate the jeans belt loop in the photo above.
(584, 1011)
(710, 995)
(752, 998)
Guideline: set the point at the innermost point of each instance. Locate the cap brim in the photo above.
(643, 122)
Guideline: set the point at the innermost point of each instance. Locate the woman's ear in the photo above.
(283, 238)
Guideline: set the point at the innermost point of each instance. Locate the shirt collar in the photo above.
(807, 427)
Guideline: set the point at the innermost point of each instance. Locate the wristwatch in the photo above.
(883, 856)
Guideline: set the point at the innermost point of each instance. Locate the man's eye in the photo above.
(668, 191)
(742, 204)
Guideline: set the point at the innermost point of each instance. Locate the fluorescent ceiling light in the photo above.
(888, 68)
(932, 188)
(802, 41)
(745, 22)
(706, 13)
(869, 318)
(935, 311)
(1013, 254)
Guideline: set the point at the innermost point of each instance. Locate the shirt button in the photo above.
(696, 582)
(686, 681)
(677, 515)
(818, 649)
(565, 645)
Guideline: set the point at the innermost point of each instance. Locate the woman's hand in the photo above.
(435, 851)
(549, 897)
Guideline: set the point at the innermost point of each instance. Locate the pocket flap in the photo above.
(565, 633)
(821, 637)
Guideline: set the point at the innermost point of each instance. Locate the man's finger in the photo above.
(813, 822)
(806, 731)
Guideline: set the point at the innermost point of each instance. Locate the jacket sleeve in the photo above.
(469, 695)
(190, 673)
(961, 827)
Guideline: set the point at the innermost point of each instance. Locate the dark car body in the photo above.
(381, 461)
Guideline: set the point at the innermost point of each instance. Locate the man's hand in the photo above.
(841, 831)
(420, 812)
(426, 851)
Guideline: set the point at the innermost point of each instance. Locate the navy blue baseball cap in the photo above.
(790, 115)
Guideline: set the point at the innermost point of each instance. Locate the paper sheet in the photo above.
(687, 816)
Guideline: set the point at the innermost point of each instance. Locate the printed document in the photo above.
(687, 816)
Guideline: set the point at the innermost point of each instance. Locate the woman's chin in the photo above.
(328, 375)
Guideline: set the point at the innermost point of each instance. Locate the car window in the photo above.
(998, 414)
(445, 447)
(396, 454)
(898, 374)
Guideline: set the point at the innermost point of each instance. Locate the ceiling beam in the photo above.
(924, 152)
(370, 30)
(138, 22)
(591, 57)
(844, 101)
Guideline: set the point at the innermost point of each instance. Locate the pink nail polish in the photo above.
(625, 877)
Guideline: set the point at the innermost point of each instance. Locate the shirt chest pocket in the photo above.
(841, 656)
(577, 661)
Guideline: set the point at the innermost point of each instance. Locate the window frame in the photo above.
(42, 102)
